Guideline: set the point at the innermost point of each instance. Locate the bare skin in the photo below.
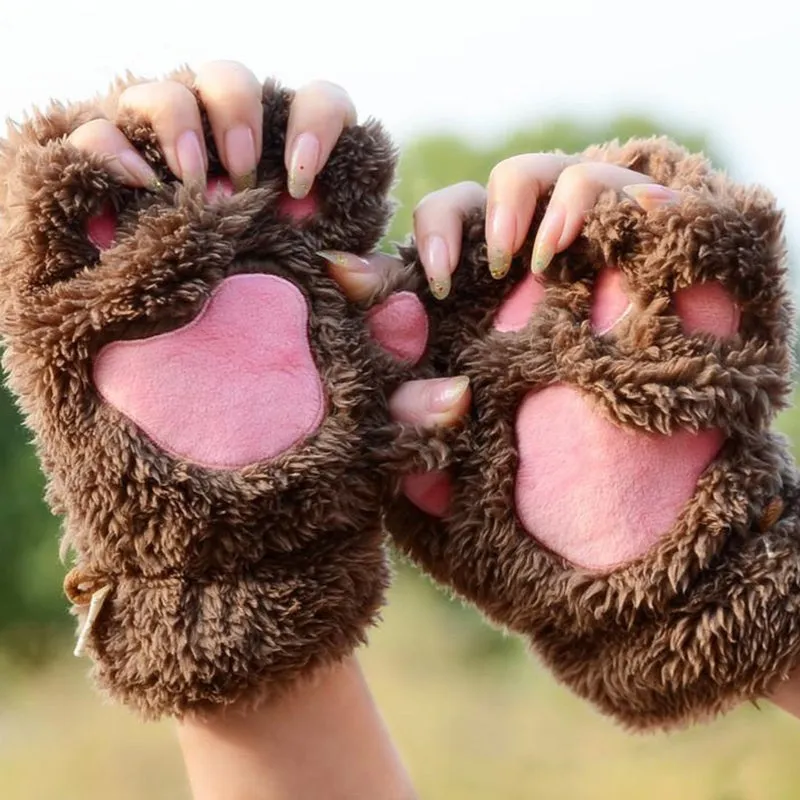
(326, 738)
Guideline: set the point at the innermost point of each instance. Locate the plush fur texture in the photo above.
(226, 584)
(709, 615)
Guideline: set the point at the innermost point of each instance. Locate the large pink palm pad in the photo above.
(589, 490)
(238, 385)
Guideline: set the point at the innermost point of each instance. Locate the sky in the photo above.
(731, 69)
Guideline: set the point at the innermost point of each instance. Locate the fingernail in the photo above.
(348, 261)
(547, 238)
(446, 393)
(502, 229)
(355, 275)
(303, 164)
(651, 195)
(190, 157)
(436, 258)
(240, 154)
(139, 170)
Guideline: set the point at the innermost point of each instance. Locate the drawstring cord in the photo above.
(86, 589)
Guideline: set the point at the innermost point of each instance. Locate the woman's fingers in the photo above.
(231, 95)
(431, 403)
(575, 193)
(102, 137)
(171, 108)
(438, 224)
(359, 278)
(515, 186)
(320, 112)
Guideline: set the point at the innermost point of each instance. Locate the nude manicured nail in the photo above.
(138, 169)
(436, 258)
(240, 155)
(502, 229)
(651, 195)
(190, 158)
(544, 248)
(355, 275)
(447, 393)
(348, 261)
(303, 165)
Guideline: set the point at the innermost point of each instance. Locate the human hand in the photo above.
(587, 404)
(516, 186)
(231, 94)
(328, 712)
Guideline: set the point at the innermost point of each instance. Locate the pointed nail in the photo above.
(240, 157)
(499, 263)
(303, 165)
(447, 393)
(353, 274)
(139, 170)
(542, 256)
(436, 259)
(348, 261)
(651, 195)
(242, 182)
(191, 159)
(547, 238)
(501, 231)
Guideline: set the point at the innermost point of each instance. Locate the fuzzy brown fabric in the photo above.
(225, 585)
(711, 615)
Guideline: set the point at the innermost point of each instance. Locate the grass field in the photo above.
(473, 716)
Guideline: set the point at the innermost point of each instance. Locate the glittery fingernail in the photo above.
(355, 275)
(436, 259)
(240, 156)
(303, 164)
(348, 261)
(499, 263)
(547, 238)
(501, 229)
(541, 257)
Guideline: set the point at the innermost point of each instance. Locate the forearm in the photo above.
(326, 739)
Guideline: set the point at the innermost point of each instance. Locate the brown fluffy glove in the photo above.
(204, 402)
(618, 497)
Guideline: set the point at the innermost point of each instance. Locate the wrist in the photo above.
(323, 737)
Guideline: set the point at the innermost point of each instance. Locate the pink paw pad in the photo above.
(706, 307)
(101, 229)
(431, 492)
(610, 304)
(400, 325)
(236, 386)
(520, 305)
(591, 491)
(595, 493)
(300, 209)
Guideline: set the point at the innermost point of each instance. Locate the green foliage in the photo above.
(31, 604)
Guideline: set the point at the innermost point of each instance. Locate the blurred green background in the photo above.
(474, 716)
